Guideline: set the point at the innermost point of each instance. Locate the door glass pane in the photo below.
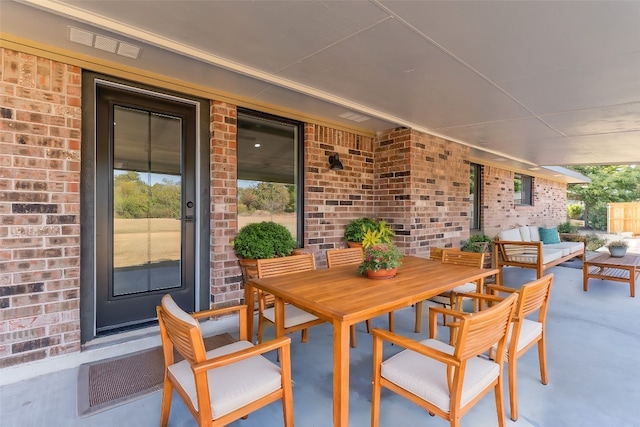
(147, 185)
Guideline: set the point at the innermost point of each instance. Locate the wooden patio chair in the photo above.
(455, 257)
(226, 383)
(351, 256)
(444, 379)
(526, 332)
(295, 319)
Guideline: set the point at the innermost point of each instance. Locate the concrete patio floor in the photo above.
(593, 360)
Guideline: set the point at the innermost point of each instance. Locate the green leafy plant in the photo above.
(575, 211)
(381, 234)
(380, 256)
(567, 227)
(476, 243)
(264, 239)
(593, 242)
(618, 244)
(356, 229)
(379, 231)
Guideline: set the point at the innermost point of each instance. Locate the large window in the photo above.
(522, 189)
(270, 162)
(475, 175)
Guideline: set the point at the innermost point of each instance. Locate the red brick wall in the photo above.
(415, 181)
(423, 189)
(500, 213)
(333, 198)
(226, 279)
(39, 208)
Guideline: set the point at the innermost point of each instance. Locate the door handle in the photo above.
(187, 218)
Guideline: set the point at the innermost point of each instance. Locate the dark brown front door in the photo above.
(145, 205)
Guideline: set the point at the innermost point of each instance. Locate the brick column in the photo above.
(39, 208)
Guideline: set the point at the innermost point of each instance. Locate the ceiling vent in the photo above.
(353, 116)
(104, 43)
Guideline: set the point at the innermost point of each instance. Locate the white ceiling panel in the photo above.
(594, 121)
(506, 40)
(537, 82)
(596, 83)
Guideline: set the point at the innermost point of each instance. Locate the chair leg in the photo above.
(305, 335)
(500, 403)
(513, 388)
(167, 392)
(391, 322)
(418, 317)
(260, 328)
(375, 394)
(353, 336)
(368, 322)
(542, 358)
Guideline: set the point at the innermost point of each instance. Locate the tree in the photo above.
(610, 183)
(271, 197)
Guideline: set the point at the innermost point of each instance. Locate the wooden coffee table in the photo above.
(605, 267)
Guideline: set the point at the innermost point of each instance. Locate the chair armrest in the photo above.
(476, 296)
(240, 309)
(220, 311)
(237, 356)
(410, 344)
(493, 289)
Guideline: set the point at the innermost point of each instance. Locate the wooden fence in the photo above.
(623, 217)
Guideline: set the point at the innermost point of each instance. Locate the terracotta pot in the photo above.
(354, 244)
(382, 274)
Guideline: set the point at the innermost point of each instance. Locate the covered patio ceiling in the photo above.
(524, 84)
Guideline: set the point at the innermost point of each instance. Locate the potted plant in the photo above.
(261, 240)
(356, 230)
(381, 256)
(381, 261)
(618, 248)
(478, 243)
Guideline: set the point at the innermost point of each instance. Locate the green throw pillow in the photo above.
(549, 235)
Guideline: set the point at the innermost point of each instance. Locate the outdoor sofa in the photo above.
(533, 247)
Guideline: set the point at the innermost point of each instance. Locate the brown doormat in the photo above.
(112, 382)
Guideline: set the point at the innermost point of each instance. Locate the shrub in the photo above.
(264, 239)
(357, 228)
(575, 211)
(567, 227)
(474, 243)
(593, 242)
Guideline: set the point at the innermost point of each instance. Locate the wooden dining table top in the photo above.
(343, 297)
(340, 293)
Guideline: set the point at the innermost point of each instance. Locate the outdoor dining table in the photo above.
(343, 298)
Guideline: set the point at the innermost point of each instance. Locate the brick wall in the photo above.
(423, 189)
(415, 181)
(500, 213)
(334, 197)
(39, 208)
(226, 278)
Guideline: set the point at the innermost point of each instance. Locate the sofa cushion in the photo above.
(535, 234)
(567, 247)
(549, 235)
(512, 235)
(548, 255)
(525, 233)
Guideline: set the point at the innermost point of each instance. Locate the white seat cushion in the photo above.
(427, 378)
(529, 331)
(231, 386)
(292, 315)
(525, 233)
(567, 247)
(443, 298)
(548, 255)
